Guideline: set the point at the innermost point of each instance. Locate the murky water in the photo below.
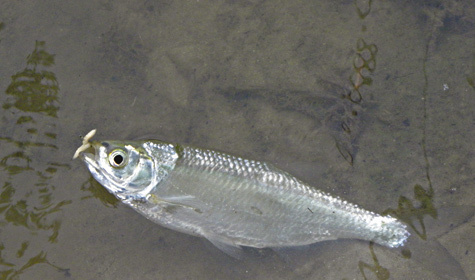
(369, 100)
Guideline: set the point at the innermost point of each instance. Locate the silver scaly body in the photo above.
(233, 201)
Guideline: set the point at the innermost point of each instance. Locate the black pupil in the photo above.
(118, 159)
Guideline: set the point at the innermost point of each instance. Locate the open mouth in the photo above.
(90, 159)
(87, 152)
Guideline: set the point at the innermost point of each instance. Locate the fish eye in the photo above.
(118, 158)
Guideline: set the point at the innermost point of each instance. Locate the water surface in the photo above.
(369, 100)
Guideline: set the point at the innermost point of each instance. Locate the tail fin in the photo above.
(391, 232)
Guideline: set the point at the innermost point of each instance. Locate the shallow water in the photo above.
(369, 100)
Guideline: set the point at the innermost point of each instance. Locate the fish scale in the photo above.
(229, 200)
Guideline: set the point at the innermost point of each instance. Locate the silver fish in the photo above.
(229, 200)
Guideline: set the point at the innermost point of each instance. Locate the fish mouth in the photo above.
(90, 154)
(90, 159)
(87, 152)
(100, 175)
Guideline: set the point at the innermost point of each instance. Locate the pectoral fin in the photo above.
(186, 201)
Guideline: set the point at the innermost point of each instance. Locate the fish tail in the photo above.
(390, 232)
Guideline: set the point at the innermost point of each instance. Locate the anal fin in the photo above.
(231, 250)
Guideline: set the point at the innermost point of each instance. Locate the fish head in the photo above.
(125, 169)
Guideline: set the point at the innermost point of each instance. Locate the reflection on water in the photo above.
(407, 212)
(364, 64)
(98, 191)
(35, 90)
(27, 202)
(363, 7)
(471, 76)
(380, 272)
